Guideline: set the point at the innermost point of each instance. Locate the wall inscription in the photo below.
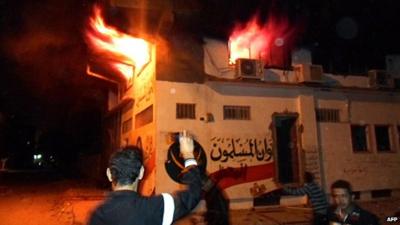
(240, 149)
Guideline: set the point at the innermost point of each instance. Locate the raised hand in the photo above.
(186, 145)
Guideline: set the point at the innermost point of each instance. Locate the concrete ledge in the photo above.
(289, 200)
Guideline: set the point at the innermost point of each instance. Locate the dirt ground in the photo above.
(25, 200)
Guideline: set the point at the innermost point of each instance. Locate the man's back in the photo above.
(128, 208)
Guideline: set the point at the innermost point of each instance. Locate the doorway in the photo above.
(287, 154)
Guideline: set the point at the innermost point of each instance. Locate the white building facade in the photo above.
(254, 133)
(255, 127)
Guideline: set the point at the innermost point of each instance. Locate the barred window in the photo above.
(185, 111)
(327, 115)
(127, 125)
(232, 112)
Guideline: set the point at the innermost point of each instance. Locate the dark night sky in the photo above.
(42, 82)
(45, 98)
(345, 36)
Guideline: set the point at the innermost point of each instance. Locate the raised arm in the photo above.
(295, 191)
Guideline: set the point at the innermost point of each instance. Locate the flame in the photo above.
(125, 69)
(107, 40)
(270, 42)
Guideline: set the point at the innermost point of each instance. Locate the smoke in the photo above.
(44, 71)
(43, 41)
(33, 45)
(41, 28)
(272, 41)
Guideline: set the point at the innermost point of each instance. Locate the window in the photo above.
(356, 195)
(185, 111)
(398, 136)
(359, 138)
(127, 125)
(382, 137)
(327, 115)
(383, 193)
(144, 117)
(396, 82)
(232, 112)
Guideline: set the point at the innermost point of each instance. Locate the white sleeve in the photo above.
(190, 162)
(169, 208)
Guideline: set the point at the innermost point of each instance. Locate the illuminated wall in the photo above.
(241, 152)
(138, 125)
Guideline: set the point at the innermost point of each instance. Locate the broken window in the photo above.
(185, 111)
(382, 137)
(359, 138)
(233, 112)
(327, 115)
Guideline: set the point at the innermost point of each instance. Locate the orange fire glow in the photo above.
(110, 42)
(125, 69)
(269, 42)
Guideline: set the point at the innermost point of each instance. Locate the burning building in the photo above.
(254, 125)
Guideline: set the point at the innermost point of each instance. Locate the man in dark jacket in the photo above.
(344, 210)
(125, 206)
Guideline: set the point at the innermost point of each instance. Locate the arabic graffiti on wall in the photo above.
(144, 89)
(147, 186)
(240, 149)
(244, 152)
(312, 161)
(355, 171)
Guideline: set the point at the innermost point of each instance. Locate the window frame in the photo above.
(127, 125)
(144, 117)
(332, 115)
(367, 130)
(390, 137)
(397, 138)
(238, 112)
(182, 114)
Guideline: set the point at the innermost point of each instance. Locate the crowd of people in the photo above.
(125, 206)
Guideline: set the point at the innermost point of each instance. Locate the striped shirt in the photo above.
(315, 195)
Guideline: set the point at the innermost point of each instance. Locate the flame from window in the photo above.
(269, 42)
(110, 42)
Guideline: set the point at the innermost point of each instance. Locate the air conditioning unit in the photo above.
(380, 79)
(249, 68)
(307, 73)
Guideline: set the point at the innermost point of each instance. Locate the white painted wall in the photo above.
(210, 98)
(366, 171)
(325, 147)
